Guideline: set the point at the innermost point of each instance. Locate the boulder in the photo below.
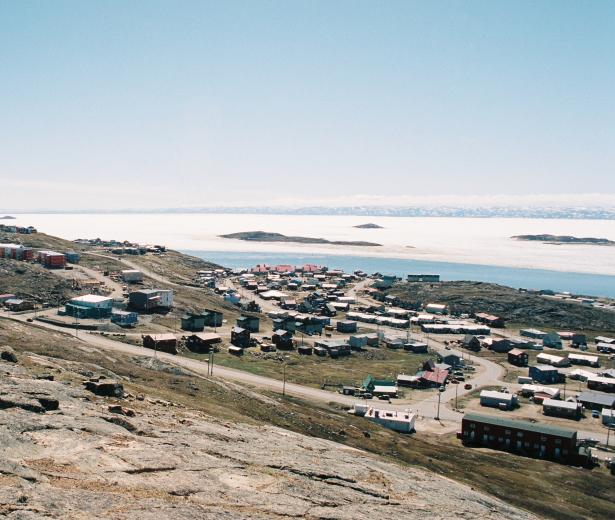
(116, 408)
(8, 354)
(105, 388)
(49, 403)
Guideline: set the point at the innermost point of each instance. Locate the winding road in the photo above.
(488, 374)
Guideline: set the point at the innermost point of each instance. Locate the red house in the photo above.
(52, 259)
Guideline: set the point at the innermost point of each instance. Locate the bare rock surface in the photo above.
(90, 458)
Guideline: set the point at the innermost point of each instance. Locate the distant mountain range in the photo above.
(594, 213)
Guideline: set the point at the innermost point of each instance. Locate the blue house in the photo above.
(124, 318)
(545, 374)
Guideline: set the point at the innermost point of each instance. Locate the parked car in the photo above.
(467, 386)
(595, 414)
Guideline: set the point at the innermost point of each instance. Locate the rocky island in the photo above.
(565, 239)
(369, 225)
(263, 236)
(8, 217)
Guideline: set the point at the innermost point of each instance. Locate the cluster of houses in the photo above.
(432, 374)
(121, 247)
(49, 259)
(29, 230)
(97, 307)
(198, 342)
(548, 371)
(14, 304)
(281, 283)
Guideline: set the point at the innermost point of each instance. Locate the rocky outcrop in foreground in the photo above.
(69, 453)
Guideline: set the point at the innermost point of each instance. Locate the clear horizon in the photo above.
(160, 104)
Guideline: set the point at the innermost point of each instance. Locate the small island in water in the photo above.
(369, 225)
(8, 217)
(263, 236)
(565, 239)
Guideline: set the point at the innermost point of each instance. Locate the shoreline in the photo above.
(385, 256)
(484, 242)
(409, 253)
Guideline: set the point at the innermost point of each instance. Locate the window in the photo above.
(507, 432)
(558, 441)
(519, 434)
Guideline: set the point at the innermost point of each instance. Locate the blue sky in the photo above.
(115, 104)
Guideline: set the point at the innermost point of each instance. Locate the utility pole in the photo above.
(77, 323)
(437, 417)
(608, 428)
(284, 380)
(456, 389)
(211, 366)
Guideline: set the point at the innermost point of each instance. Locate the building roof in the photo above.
(601, 380)
(556, 403)
(516, 352)
(409, 378)
(162, 337)
(537, 389)
(545, 368)
(273, 294)
(583, 357)
(547, 429)
(551, 358)
(119, 312)
(580, 373)
(435, 376)
(206, 336)
(91, 298)
(600, 398)
(384, 389)
(494, 394)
